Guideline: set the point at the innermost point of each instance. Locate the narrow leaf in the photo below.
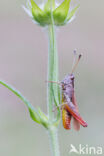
(33, 112)
(61, 12)
(34, 115)
(38, 14)
(44, 119)
(48, 6)
(72, 13)
(43, 116)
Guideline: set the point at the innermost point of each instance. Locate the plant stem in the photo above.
(51, 52)
(52, 89)
(54, 141)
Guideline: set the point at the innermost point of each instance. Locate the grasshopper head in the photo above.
(68, 80)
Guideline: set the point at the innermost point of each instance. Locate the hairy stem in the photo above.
(54, 141)
(53, 93)
(52, 89)
(51, 57)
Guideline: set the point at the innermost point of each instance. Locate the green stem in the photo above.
(52, 51)
(54, 141)
(52, 89)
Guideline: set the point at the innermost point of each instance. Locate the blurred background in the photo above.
(23, 64)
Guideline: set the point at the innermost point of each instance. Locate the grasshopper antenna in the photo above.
(75, 53)
(75, 65)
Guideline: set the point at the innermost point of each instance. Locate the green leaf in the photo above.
(72, 13)
(44, 118)
(33, 112)
(42, 115)
(34, 115)
(48, 6)
(61, 12)
(39, 14)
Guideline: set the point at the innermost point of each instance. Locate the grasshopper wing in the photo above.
(70, 107)
(76, 123)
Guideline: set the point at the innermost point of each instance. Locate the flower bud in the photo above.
(43, 17)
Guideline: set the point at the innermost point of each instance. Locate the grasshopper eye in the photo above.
(72, 77)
